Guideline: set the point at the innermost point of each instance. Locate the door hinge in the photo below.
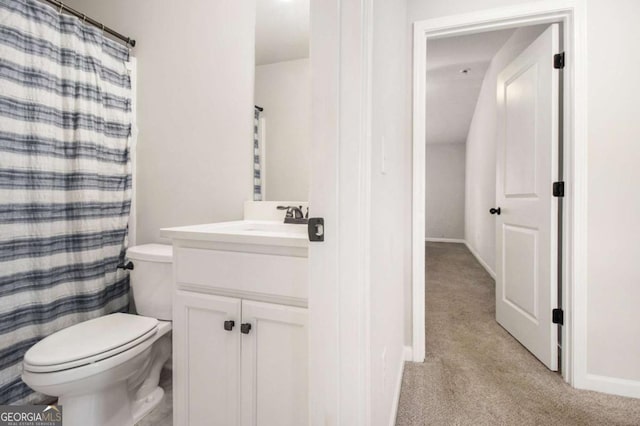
(558, 61)
(557, 316)
(558, 189)
(315, 229)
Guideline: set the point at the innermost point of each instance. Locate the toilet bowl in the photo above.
(105, 371)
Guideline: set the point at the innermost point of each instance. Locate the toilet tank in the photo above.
(151, 279)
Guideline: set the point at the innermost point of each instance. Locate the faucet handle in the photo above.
(294, 214)
(289, 210)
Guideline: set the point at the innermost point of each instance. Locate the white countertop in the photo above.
(260, 232)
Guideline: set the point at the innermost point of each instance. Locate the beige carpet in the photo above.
(476, 373)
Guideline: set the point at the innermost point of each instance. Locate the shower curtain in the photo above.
(65, 179)
(257, 178)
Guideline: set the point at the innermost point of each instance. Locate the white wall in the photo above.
(613, 202)
(390, 219)
(613, 173)
(444, 188)
(195, 106)
(283, 89)
(418, 10)
(480, 229)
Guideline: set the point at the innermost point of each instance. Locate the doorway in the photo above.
(573, 161)
(504, 150)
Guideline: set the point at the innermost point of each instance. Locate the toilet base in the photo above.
(108, 407)
(127, 401)
(144, 406)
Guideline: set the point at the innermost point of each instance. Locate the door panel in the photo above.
(520, 287)
(207, 381)
(274, 365)
(520, 128)
(526, 229)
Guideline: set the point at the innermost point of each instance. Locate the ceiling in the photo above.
(452, 95)
(282, 30)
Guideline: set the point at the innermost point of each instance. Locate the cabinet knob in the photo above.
(228, 325)
(245, 328)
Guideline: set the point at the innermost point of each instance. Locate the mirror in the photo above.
(282, 95)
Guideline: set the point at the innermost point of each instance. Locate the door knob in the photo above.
(494, 211)
(228, 325)
(245, 328)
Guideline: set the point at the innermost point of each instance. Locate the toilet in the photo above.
(105, 371)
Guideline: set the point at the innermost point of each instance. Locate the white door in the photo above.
(526, 228)
(206, 384)
(274, 365)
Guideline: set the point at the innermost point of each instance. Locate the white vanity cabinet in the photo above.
(206, 360)
(228, 377)
(273, 366)
(252, 372)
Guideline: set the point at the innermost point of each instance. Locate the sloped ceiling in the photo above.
(451, 94)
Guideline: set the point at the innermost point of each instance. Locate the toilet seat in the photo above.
(89, 342)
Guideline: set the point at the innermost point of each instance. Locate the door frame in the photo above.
(571, 14)
(341, 45)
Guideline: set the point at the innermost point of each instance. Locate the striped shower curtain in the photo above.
(257, 169)
(65, 179)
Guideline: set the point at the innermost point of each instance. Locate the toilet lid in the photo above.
(89, 341)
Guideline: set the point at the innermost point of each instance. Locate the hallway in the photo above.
(475, 373)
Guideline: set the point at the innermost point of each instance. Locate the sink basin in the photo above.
(263, 228)
(243, 232)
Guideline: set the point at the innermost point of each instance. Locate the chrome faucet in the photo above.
(295, 215)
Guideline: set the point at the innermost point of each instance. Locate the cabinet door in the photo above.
(274, 365)
(206, 360)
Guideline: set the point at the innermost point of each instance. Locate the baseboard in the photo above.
(611, 385)
(396, 393)
(481, 261)
(444, 240)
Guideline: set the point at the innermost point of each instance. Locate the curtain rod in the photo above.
(62, 7)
